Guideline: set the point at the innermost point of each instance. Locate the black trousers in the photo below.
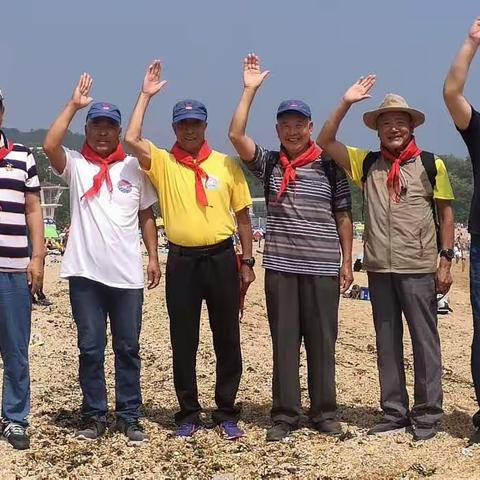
(302, 306)
(195, 274)
(414, 295)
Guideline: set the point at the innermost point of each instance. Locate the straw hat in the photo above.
(393, 103)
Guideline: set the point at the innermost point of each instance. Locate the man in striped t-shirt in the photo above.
(19, 276)
(308, 219)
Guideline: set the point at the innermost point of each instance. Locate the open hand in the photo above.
(253, 77)
(152, 82)
(360, 90)
(81, 95)
(474, 32)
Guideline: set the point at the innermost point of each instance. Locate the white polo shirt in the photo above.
(104, 241)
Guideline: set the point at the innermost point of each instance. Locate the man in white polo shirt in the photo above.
(21, 274)
(109, 195)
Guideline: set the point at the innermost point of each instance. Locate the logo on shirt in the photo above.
(212, 183)
(124, 186)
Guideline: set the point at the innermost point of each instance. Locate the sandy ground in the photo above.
(307, 455)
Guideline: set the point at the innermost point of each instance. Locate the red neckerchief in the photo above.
(312, 153)
(7, 147)
(187, 160)
(117, 156)
(393, 178)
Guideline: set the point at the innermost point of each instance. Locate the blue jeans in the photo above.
(15, 322)
(475, 300)
(91, 303)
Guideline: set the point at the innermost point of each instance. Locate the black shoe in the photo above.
(91, 430)
(16, 435)
(279, 431)
(44, 302)
(424, 432)
(387, 427)
(328, 427)
(132, 430)
(475, 438)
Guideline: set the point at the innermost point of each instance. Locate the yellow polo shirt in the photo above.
(188, 223)
(443, 188)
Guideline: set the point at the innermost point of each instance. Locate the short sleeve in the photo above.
(443, 189)
(471, 135)
(148, 195)
(32, 182)
(240, 196)
(356, 157)
(158, 157)
(342, 201)
(258, 165)
(70, 156)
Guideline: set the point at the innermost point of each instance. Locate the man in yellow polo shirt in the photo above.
(198, 190)
(403, 186)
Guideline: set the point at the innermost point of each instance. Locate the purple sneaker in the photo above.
(186, 430)
(230, 430)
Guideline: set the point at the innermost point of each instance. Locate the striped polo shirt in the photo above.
(18, 176)
(301, 233)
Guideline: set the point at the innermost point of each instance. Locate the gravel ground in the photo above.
(306, 455)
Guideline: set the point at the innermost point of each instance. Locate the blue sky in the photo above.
(314, 49)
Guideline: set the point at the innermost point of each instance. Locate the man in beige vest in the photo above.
(404, 187)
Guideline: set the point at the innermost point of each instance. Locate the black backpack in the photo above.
(328, 165)
(428, 162)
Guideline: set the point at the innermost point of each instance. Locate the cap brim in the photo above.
(104, 115)
(370, 118)
(292, 110)
(186, 116)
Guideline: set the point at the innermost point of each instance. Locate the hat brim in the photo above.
(115, 118)
(293, 110)
(370, 118)
(186, 116)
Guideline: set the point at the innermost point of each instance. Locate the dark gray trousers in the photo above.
(302, 306)
(414, 295)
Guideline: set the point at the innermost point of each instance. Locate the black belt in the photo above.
(200, 251)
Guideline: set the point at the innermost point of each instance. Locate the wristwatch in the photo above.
(449, 254)
(248, 261)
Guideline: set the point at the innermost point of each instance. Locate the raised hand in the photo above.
(152, 83)
(474, 32)
(359, 90)
(253, 77)
(81, 95)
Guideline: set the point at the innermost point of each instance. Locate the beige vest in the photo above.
(399, 237)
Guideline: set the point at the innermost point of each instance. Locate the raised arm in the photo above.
(457, 104)
(52, 144)
(253, 77)
(327, 138)
(152, 84)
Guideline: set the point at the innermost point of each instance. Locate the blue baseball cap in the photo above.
(294, 106)
(106, 110)
(189, 109)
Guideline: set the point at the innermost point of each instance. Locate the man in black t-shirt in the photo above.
(467, 121)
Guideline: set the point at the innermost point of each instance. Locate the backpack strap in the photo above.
(428, 161)
(368, 161)
(271, 161)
